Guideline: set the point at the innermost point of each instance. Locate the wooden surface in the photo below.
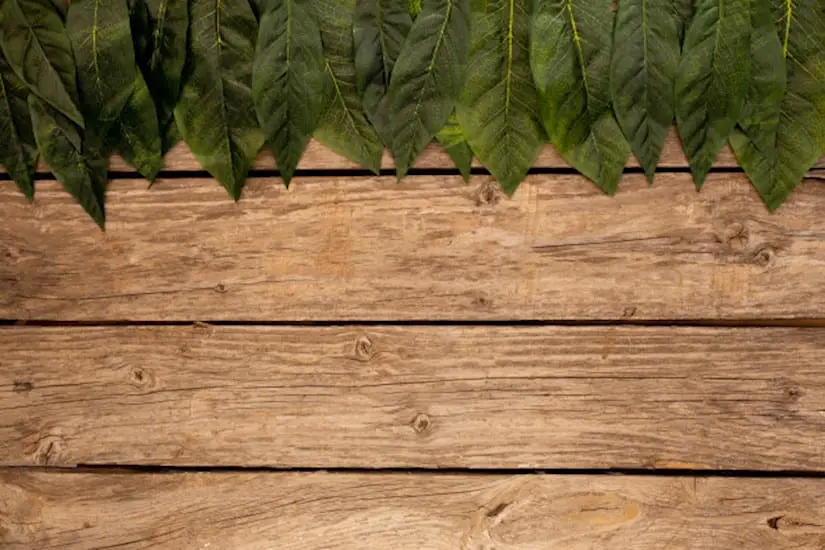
(420, 397)
(429, 249)
(320, 157)
(411, 339)
(221, 511)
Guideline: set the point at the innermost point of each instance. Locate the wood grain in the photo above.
(434, 397)
(261, 511)
(431, 248)
(319, 157)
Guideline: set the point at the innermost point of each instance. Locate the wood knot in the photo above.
(736, 236)
(220, 288)
(421, 423)
(482, 302)
(364, 348)
(764, 256)
(140, 377)
(48, 451)
(629, 312)
(488, 193)
(22, 386)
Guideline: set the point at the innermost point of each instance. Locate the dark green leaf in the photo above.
(80, 169)
(452, 137)
(646, 50)
(712, 79)
(570, 57)
(428, 78)
(162, 39)
(343, 127)
(136, 134)
(754, 140)
(288, 80)
(102, 43)
(216, 114)
(18, 150)
(381, 26)
(777, 149)
(499, 109)
(37, 47)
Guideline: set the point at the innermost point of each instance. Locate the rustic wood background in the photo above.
(356, 364)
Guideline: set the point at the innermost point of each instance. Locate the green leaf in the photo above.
(754, 140)
(343, 126)
(782, 134)
(428, 78)
(215, 113)
(499, 109)
(646, 51)
(288, 80)
(452, 137)
(80, 169)
(18, 149)
(712, 80)
(37, 47)
(136, 133)
(102, 43)
(570, 57)
(162, 27)
(381, 26)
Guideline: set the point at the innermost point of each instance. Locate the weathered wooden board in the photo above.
(262, 511)
(430, 248)
(427, 397)
(320, 157)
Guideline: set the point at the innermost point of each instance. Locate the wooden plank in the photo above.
(320, 157)
(477, 397)
(290, 511)
(430, 248)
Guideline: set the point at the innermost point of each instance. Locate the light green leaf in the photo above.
(712, 80)
(37, 47)
(216, 114)
(81, 169)
(415, 7)
(162, 27)
(381, 26)
(288, 80)
(136, 133)
(343, 127)
(452, 137)
(777, 149)
(102, 43)
(646, 51)
(570, 57)
(499, 109)
(18, 150)
(428, 78)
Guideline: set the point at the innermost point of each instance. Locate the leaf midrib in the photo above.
(225, 117)
(158, 33)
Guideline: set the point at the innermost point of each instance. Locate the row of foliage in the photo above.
(494, 79)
